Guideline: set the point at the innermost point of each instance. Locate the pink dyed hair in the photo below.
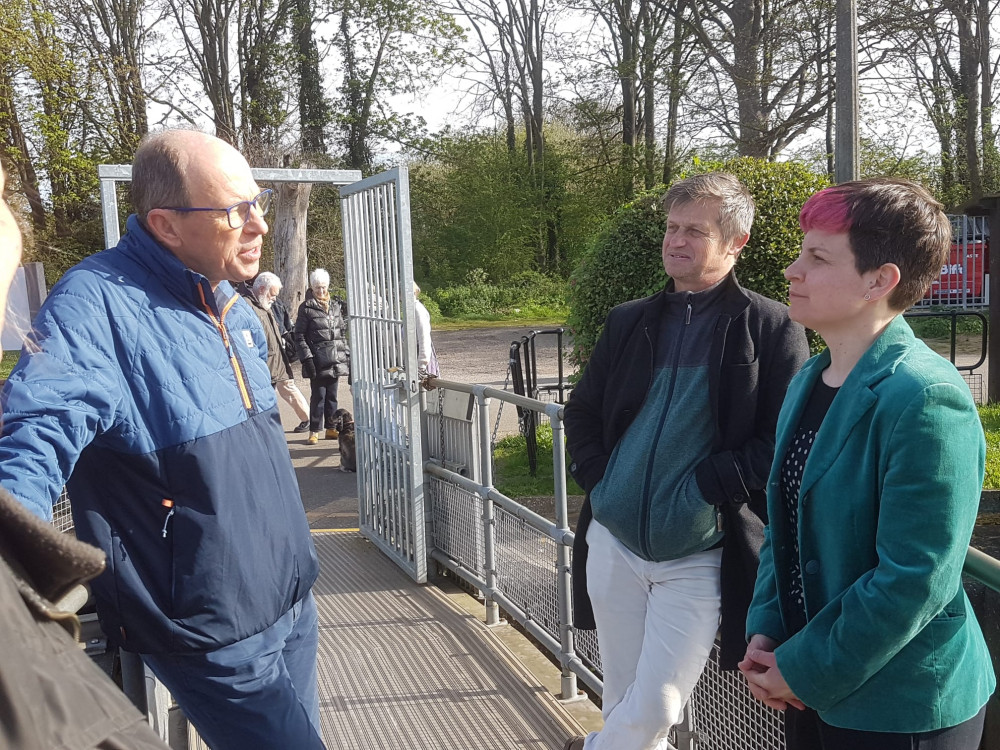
(827, 210)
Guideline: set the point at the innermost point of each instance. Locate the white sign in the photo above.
(18, 318)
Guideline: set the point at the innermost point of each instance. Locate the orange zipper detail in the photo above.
(217, 322)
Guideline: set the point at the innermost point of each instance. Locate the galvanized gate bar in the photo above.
(379, 265)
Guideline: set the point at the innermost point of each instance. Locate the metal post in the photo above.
(684, 730)
(846, 162)
(109, 213)
(133, 678)
(564, 575)
(992, 203)
(489, 551)
(559, 359)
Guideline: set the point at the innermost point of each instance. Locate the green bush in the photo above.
(483, 299)
(432, 307)
(624, 261)
(940, 328)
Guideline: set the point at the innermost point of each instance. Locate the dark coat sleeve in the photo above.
(584, 421)
(584, 417)
(301, 327)
(733, 474)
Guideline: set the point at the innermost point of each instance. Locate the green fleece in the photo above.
(649, 498)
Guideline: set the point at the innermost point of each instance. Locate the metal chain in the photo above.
(441, 424)
(496, 427)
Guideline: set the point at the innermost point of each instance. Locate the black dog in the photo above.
(344, 422)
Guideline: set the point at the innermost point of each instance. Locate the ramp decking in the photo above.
(400, 666)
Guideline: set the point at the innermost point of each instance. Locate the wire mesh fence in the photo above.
(62, 513)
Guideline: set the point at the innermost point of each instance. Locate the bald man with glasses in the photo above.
(144, 388)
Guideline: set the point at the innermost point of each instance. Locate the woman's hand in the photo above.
(760, 668)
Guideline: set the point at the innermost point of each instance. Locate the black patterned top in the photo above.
(792, 468)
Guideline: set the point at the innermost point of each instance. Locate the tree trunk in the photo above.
(18, 151)
(987, 133)
(289, 232)
(314, 114)
(648, 76)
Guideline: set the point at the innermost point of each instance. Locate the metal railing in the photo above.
(964, 278)
(968, 371)
(520, 562)
(523, 369)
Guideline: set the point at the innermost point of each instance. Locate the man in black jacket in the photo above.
(671, 434)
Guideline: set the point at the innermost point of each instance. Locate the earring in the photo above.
(868, 297)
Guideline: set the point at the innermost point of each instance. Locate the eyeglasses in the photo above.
(238, 214)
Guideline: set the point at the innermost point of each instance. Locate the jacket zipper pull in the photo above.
(167, 503)
(718, 518)
(687, 313)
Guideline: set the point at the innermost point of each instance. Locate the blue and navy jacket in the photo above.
(149, 396)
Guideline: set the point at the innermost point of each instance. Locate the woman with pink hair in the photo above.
(859, 627)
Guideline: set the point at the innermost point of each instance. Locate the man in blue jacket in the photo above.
(671, 432)
(144, 388)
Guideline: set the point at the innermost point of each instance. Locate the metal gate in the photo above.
(379, 265)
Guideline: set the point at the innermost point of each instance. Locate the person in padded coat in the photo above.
(320, 334)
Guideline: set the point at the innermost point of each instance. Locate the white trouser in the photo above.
(656, 624)
(290, 392)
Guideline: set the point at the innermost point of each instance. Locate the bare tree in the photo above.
(204, 25)
(113, 36)
(768, 56)
(387, 47)
(261, 49)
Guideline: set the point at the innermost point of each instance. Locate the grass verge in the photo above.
(7, 363)
(512, 473)
(990, 416)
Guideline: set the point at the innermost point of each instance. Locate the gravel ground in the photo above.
(481, 355)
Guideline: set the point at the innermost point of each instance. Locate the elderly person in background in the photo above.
(265, 291)
(159, 416)
(427, 363)
(320, 334)
(859, 625)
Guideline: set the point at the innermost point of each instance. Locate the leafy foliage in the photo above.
(477, 204)
(624, 261)
(526, 294)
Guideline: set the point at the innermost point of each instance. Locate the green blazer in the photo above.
(888, 499)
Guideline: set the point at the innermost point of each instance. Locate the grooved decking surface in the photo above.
(402, 667)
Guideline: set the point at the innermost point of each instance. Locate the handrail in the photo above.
(983, 568)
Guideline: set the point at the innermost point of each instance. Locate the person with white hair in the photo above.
(320, 334)
(265, 291)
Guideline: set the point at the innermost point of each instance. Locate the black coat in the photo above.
(52, 694)
(320, 335)
(754, 352)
